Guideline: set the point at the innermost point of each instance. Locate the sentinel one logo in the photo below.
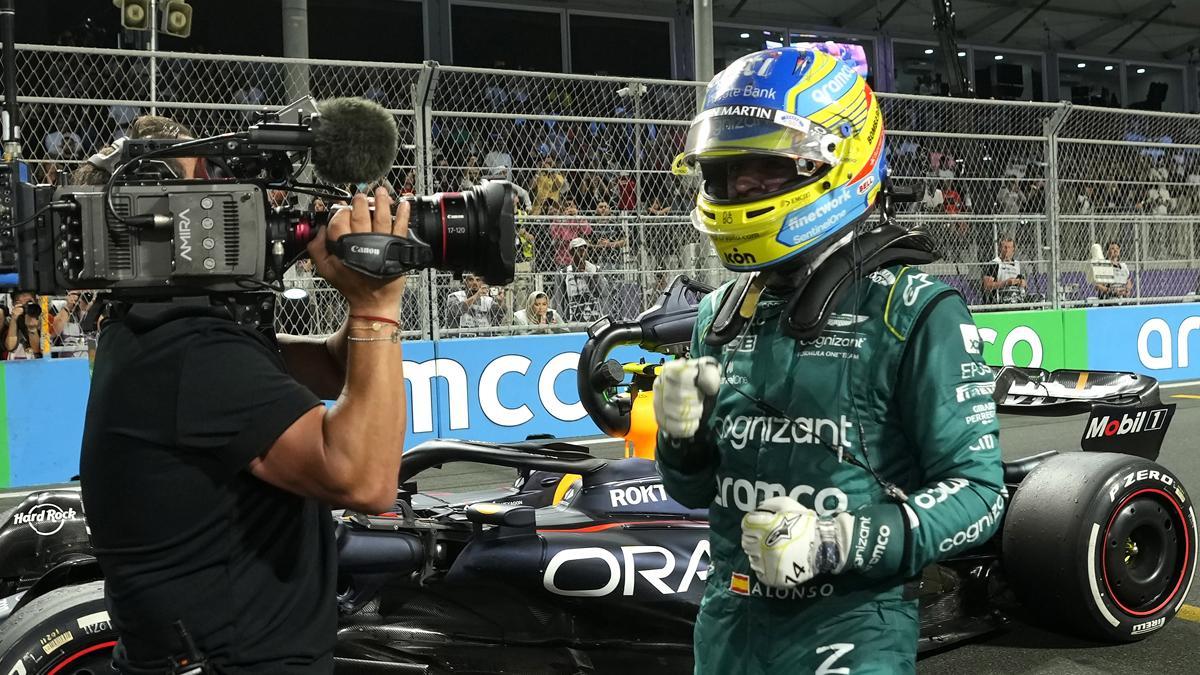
(823, 208)
(185, 235)
(422, 376)
(45, 519)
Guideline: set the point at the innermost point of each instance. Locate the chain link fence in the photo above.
(1024, 199)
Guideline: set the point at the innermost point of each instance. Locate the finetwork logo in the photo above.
(801, 219)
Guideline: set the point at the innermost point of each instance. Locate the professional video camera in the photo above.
(148, 234)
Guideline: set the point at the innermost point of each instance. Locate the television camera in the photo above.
(149, 234)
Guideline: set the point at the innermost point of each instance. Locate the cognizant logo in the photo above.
(742, 430)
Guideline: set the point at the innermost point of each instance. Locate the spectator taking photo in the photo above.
(537, 316)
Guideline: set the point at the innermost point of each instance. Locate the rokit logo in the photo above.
(637, 494)
(45, 519)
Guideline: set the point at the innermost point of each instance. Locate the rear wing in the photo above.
(1125, 410)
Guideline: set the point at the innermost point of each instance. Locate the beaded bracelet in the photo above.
(395, 338)
(373, 326)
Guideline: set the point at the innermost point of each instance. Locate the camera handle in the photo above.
(383, 256)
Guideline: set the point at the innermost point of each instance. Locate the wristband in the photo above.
(382, 319)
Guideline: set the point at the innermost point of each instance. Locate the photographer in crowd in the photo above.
(209, 466)
(67, 326)
(23, 332)
(538, 317)
(476, 305)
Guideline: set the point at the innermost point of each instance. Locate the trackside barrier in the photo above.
(507, 388)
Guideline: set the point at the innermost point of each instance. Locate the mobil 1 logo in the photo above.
(1132, 430)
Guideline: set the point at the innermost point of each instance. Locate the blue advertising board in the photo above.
(1156, 340)
(498, 388)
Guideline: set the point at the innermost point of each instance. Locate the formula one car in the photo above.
(586, 565)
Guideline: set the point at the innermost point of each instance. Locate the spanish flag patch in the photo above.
(740, 583)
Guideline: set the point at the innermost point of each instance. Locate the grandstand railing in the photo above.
(1055, 177)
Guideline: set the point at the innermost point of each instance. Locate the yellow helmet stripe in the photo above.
(851, 107)
(820, 68)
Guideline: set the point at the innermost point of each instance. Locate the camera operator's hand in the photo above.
(366, 295)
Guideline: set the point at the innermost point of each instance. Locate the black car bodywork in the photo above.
(589, 574)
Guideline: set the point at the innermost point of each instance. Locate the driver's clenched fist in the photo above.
(681, 390)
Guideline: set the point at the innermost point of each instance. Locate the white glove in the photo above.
(788, 543)
(680, 390)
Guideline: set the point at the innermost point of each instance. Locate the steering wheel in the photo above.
(665, 328)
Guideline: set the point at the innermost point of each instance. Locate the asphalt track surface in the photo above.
(1018, 648)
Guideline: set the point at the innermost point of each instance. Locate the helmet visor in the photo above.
(733, 130)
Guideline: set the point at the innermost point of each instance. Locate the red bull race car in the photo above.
(586, 565)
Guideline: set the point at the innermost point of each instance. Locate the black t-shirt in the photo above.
(181, 401)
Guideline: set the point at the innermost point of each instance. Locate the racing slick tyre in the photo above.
(64, 632)
(1102, 545)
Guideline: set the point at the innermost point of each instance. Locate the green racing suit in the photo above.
(897, 380)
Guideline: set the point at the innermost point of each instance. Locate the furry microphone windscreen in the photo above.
(355, 141)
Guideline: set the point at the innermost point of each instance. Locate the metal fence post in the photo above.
(423, 94)
(1051, 127)
(153, 57)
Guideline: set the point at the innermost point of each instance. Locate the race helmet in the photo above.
(815, 125)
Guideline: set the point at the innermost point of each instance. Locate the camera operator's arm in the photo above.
(62, 318)
(349, 455)
(317, 363)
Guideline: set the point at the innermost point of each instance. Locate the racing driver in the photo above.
(838, 455)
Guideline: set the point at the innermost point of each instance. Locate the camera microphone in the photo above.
(354, 141)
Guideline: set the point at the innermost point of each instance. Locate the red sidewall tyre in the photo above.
(1101, 545)
(64, 632)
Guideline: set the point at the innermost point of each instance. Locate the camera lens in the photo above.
(469, 231)
(33, 309)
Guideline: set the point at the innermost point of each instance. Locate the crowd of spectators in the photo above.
(69, 329)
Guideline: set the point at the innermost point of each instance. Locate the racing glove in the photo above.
(788, 543)
(681, 390)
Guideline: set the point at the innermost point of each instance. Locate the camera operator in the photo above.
(23, 334)
(209, 466)
(67, 328)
